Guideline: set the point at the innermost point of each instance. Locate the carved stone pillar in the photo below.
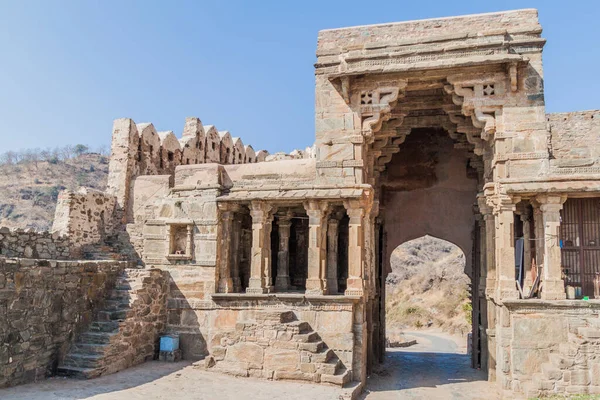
(188, 242)
(504, 209)
(525, 217)
(260, 275)
(225, 276)
(282, 282)
(236, 253)
(554, 286)
(488, 251)
(538, 227)
(355, 284)
(317, 243)
(332, 255)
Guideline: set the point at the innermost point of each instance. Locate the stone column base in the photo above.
(237, 285)
(332, 286)
(226, 285)
(355, 287)
(314, 286)
(553, 290)
(507, 290)
(256, 286)
(282, 282)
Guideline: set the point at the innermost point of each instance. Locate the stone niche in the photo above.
(180, 236)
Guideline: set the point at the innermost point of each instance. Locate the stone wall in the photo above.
(44, 305)
(278, 344)
(126, 329)
(209, 324)
(30, 244)
(86, 216)
(575, 138)
(549, 348)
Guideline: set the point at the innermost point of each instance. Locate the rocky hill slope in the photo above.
(428, 288)
(29, 186)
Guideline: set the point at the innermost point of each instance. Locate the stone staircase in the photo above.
(575, 368)
(111, 247)
(121, 335)
(277, 346)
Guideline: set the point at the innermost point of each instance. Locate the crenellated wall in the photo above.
(139, 150)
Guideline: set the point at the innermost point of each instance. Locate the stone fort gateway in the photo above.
(274, 266)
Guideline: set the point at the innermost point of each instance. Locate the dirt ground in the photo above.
(162, 381)
(436, 368)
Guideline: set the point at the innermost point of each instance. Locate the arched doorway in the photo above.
(429, 189)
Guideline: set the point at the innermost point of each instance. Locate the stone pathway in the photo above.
(437, 367)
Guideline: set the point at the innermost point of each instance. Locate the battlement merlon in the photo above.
(470, 40)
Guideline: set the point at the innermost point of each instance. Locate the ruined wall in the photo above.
(43, 306)
(86, 216)
(575, 139)
(29, 244)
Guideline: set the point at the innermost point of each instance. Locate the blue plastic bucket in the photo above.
(169, 343)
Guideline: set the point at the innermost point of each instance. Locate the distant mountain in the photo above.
(428, 287)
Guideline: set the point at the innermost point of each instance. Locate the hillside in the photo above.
(29, 188)
(428, 288)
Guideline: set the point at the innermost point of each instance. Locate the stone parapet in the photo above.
(25, 243)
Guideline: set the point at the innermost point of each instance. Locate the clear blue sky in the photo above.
(68, 68)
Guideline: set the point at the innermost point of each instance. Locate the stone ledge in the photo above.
(533, 306)
(285, 296)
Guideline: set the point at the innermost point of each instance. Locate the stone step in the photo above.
(104, 326)
(594, 322)
(89, 348)
(551, 372)
(113, 315)
(589, 332)
(82, 360)
(531, 390)
(96, 337)
(560, 361)
(307, 337)
(78, 373)
(340, 379)
(113, 305)
(298, 327)
(312, 347)
(323, 356)
(329, 368)
(117, 294)
(568, 349)
(275, 317)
